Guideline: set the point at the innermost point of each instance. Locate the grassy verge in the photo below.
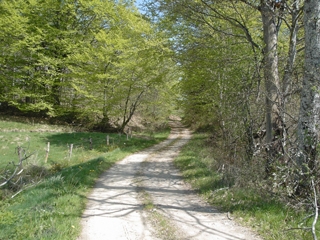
(264, 213)
(162, 225)
(52, 208)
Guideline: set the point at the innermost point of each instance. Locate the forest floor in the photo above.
(144, 197)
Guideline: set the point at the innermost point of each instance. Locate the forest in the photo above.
(93, 63)
(250, 77)
(245, 72)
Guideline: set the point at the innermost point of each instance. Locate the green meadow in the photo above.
(46, 200)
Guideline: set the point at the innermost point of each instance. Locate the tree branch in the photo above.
(315, 219)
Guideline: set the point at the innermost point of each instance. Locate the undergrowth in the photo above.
(250, 204)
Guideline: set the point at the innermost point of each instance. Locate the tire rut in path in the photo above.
(115, 210)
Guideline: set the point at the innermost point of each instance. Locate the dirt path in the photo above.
(144, 197)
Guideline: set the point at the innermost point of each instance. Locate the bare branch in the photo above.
(315, 203)
(18, 167)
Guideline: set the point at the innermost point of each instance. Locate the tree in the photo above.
(287, 84)
(13, 29)
(116, 70)
(51, 31)
(239, 20)
(309, 117)
(83, 60)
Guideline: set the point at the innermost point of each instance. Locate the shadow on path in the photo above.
(115, 212)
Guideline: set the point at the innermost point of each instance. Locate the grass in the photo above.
(164, 229)
(263, 212)
(52, 208)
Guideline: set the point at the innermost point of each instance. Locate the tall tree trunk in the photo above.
(271, 76)
(287, 78)
(309, 117)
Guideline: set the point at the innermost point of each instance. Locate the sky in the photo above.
(138, 2)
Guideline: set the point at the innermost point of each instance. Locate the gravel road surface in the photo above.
(143, 197)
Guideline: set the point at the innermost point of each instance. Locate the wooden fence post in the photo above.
(90, 140)
(47, 152)
(70, 151)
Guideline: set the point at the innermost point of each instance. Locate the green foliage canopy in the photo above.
(94, 59)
